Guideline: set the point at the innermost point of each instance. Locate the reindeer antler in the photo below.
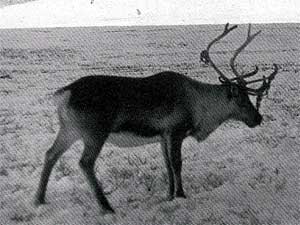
(240, 79)
(205, 54)
(264, 88)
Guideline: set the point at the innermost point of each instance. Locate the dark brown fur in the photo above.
(166, 105)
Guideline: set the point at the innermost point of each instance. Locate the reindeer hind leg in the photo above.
(63, 141)
(93, 146)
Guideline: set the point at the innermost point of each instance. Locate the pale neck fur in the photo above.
(211, 107)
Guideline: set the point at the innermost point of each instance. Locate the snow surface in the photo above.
(66, 13)
(238, 176)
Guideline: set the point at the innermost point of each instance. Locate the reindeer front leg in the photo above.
(165, 150)
(173, 143)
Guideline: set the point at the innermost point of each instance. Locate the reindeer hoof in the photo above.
(39, 201)
(169, 198)
(108, 210)
(180, 195)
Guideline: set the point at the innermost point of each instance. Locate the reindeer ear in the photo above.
(233, 91)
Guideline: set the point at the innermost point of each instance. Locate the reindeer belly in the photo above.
(141, 130)
(129, 139)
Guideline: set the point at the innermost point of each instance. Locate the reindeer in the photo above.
(165, 107)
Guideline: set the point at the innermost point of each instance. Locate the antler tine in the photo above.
(266, 82)
(205, 53)
(225, 32)
(238, 51)
(250, 74)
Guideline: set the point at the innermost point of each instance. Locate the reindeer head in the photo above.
(238, 91)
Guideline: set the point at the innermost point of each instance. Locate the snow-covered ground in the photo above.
(237, 176)
(57, 13)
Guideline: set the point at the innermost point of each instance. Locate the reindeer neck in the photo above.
(211, 107)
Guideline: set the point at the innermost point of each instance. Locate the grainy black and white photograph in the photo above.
(149, 112)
